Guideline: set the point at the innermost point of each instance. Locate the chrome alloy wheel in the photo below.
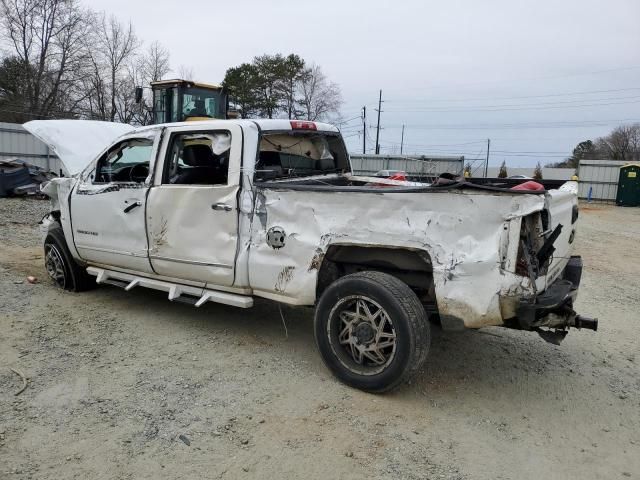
(361, 335)
(54, 264)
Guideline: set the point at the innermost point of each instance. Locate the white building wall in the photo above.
(16, 142)
(600, 177)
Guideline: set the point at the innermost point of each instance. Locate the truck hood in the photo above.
(76, 142)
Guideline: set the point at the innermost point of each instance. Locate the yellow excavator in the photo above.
(184, 100)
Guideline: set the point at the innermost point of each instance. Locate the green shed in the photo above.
(629, 186)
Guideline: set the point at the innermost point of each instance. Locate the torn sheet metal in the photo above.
(462, 232)
(58, 191)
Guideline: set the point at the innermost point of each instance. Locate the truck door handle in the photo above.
(128, 208)
(222, 206)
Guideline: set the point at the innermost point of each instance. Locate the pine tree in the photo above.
(503, 170)
(537, 173)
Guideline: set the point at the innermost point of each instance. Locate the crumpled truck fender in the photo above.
(59, 190)
(462, 233)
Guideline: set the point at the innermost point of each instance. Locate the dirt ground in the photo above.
(128, 385)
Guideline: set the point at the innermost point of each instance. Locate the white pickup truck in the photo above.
(229, 210)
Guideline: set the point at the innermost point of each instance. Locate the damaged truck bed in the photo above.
(225, 211)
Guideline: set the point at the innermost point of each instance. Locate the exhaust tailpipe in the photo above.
(586, 322)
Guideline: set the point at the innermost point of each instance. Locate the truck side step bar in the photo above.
(179, 293)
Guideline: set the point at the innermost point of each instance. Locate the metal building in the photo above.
(16, 142)
(415, 166)
(598, 179)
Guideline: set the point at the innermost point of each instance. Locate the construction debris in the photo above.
(18, 177)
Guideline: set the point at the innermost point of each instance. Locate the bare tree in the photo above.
(66, 61)
(185, 73)
(127, 110)
(634, 142)
(291, 69)
(155, 62)
(117, 45)
(48, 38)
(319, 97)
(623, 143)
(151, 66)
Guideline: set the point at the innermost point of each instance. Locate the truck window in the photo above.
(127, 161)
(200, 103)
(198, 159)
(294, 155)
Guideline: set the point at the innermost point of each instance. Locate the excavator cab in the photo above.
(183, 100)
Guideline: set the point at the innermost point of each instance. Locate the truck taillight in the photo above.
(303, 125)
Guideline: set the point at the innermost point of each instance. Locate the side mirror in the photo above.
(138, 94)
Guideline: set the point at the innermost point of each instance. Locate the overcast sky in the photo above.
(536, 77)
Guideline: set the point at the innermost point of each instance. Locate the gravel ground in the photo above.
(127, 385)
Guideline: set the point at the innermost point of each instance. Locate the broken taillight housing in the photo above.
(532, 237)
(303, 125)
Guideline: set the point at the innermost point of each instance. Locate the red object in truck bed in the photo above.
(530, 185)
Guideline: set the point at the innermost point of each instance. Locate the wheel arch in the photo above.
(413, 266)
(75, 274)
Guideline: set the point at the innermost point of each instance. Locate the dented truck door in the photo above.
(108, 203)
(192, 210)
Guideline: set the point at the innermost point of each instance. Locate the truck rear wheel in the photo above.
(371, 330)
(60, 265)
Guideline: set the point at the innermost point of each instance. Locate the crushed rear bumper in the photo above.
(553, 308)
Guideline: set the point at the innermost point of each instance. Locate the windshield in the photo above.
(199, 102)
(295, 154)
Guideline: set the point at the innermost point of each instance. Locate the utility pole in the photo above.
(486, 164)
(378, 127)
(402, 140)
(364, 130)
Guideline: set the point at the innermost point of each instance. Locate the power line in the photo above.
(355, 134)
(347, 121)
(465, 152)
(572, 124)
(471, 153)
(514, 80)
(565, 94)
(539, 106)
(444, 144)
(471, 143)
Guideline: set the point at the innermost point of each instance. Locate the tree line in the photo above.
(62, 60)
(622, 143)
(59, 59)
(276, 85)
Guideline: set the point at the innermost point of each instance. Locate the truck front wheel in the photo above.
(371, 330)
(60, 265)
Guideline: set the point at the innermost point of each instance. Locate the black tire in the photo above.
(63, 270)
(405, 325)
